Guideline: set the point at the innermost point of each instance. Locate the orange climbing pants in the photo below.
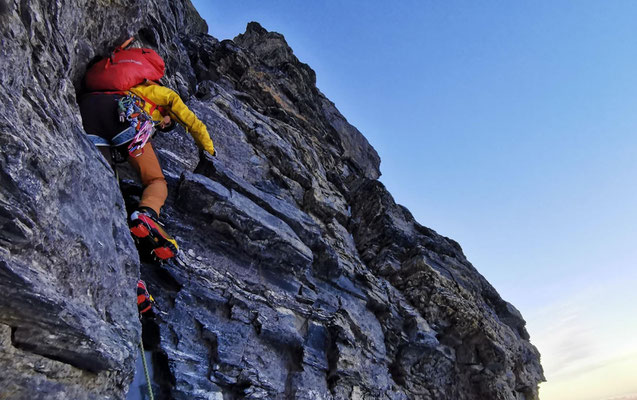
(153, 181)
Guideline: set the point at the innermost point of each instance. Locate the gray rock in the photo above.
(299, 276)
(302, 224)
(254, 230)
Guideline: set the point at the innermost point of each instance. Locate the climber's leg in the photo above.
(144, 222)
(153, 181)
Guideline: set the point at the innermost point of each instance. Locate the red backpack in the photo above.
(124, 69)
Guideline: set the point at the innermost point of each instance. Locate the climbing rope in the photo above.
(150, 388)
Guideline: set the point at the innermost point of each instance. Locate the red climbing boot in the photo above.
(144, 299)
(146, 229)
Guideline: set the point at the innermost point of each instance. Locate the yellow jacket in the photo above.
(174, 106)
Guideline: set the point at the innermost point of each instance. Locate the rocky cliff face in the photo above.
(299, 276)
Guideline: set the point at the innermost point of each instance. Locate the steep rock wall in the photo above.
(299, 276)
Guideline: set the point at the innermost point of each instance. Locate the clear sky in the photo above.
(511, 128)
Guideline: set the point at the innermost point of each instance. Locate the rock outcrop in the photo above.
(299, 276)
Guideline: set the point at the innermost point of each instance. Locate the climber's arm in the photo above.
(182, 114)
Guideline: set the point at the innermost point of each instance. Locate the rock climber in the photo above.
(108, 125)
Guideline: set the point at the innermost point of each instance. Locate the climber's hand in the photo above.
(164, 122)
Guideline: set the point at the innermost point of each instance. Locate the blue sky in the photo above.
(510, 127)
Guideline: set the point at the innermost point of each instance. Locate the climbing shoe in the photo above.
(144, 299)
(147, 230)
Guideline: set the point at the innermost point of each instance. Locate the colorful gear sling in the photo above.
(131, 109)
